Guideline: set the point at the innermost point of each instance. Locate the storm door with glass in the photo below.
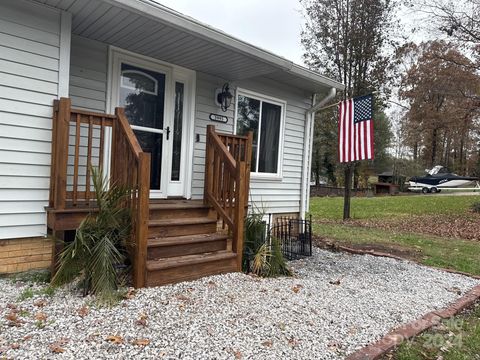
(143, 95)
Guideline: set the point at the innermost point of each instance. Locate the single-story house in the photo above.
(195, 121)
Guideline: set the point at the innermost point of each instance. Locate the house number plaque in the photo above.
(218, 118)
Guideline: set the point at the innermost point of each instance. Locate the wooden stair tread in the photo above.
(178, 205)
(72, 210)
(185, 239)
(182, 221)
(186, 260)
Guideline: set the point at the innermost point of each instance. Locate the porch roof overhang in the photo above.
(149, 28)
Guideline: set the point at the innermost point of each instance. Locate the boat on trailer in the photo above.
(438, 178)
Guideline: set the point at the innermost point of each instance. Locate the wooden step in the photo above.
(185, 245)
(178, 209)
(189, 267)
(181, 227)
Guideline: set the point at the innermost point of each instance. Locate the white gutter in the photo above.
(307, 150)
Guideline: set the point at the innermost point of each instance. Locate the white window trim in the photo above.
(283, 106)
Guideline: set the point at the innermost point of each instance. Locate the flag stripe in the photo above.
(370, 133)
(340, 133)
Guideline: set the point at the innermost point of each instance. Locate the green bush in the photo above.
(476, 207)
(99, 245)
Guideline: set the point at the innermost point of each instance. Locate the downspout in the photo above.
(307, 149)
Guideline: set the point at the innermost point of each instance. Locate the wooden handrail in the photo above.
(127, 129)
(70, 183)
(227, 178)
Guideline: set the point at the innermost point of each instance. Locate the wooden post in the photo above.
(61, 153)
(53, 169)
(239, 213)
(248, 168)
(142, 214)
(208, 162)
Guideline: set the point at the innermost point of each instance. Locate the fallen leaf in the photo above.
(141, 342)
(13, 319)
(40, 303)
(336, 282)
(15, 346)
(83, 311)
(182, 297)
(293, 342)
(267, 343)
(142, 320)
(130, 293)
(56, 348)
(11, 306)
(116, 339)
(40, 316)
(297, 288)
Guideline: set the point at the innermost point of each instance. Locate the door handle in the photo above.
(168, 132)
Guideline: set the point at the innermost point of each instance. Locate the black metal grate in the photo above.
(295, 236)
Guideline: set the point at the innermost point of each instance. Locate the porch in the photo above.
(174, 239)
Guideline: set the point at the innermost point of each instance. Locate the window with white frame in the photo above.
(264, 117)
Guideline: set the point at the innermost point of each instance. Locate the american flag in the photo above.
(355, 129)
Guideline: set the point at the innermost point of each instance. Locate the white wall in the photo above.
(30, 63)
(88, 79)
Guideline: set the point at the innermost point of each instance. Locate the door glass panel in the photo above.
(142, 94)
(152, 143)
(177, 131)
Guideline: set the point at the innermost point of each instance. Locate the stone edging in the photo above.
(397, 336)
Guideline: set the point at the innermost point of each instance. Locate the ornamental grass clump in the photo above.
(100, 244)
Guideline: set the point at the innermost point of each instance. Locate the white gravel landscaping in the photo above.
(234, 316)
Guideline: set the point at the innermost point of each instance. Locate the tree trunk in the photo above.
(348, 191)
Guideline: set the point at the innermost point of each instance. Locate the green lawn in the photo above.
(389, 206)
(457, 338)
(441, 251)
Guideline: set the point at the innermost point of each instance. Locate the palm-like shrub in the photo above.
(100, 243)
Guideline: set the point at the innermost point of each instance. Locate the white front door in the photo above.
(156, 99)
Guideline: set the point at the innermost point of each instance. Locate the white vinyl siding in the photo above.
(88, 74)
(30, 38)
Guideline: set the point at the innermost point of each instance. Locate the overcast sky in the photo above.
(274, 25)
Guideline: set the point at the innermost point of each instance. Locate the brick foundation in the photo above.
(18, 255)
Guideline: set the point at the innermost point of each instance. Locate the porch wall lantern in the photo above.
(224, 97)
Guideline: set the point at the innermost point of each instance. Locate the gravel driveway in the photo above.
(335, 304)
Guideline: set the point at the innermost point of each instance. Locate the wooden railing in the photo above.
(227, 179)
(78, 144)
